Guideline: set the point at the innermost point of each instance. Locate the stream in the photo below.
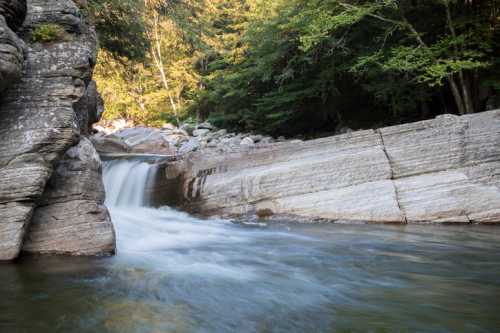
(177, 273)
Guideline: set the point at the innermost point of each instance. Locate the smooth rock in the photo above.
(247, 142)
(443, 170)
(110, 145)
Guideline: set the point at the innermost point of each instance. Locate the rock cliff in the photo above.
(42, 115)
(441, 170)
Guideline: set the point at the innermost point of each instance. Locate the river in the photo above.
(177, 273)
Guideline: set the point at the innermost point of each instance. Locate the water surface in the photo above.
(176, 273)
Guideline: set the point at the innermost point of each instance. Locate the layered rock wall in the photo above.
(441, 170)
(71, 217)
(42, 115)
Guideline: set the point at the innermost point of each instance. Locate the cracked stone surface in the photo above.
(41, 118)
(445, 170)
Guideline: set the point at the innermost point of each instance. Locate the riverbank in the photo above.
(444, 170)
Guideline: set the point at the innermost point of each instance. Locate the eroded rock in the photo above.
(71, 217)
(38, 117)
(444, 170)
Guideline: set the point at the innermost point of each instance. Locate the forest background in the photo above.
(296, 67)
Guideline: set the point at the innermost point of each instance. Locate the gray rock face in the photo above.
(39, 119)
(441, 170)
(71, 217)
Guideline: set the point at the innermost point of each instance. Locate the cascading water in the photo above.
(176, 273)
(126, 181)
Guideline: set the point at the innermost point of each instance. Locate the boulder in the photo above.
(188, 128)
(247, 142)
(156, 145)
(145, 140)
(71, 218)
(190, 146)
(201, 132)
(110, 145)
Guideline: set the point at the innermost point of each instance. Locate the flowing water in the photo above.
(176, 273)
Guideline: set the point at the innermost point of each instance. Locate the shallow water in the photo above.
(176, 273)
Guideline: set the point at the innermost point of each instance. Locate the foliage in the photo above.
(120, 24)
(303, 67)
(46, 33)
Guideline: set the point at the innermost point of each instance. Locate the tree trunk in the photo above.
(456, 95)
(476, 98)
(157, 57)
(467, 99)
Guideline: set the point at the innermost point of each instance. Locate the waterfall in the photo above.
(141, 228)
(126, 182)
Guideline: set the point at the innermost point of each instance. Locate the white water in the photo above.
(177, 273)
(126, 181)
(156, 235)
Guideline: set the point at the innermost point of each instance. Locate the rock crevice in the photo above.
(392, 177)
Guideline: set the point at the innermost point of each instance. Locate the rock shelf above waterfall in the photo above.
(445, 170)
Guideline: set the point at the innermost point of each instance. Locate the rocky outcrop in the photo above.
(71, 217)
(441, 170)
(41, 117)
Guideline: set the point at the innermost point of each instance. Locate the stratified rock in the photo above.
(71, 218)
(316, 178)
(447, 168)
(441, 170)
(37, 120)
(12, 228)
